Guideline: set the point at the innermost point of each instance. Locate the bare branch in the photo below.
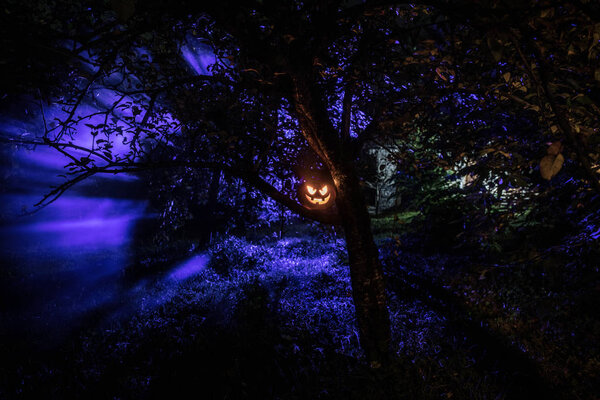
(76, 105)
(251, 177)
(56, 145)
(174, 84)
(58, 191)
(147, 115)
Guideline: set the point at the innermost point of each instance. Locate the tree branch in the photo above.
(56, 145)
(58, 191)
(347, 111)
(248, 176)
(269, 190)
(76, 105)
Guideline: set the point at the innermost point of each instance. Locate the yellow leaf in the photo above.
(547, 13)
(439, 71)
(506, 76)
(487, 151)
(550, 165)
(554, 149)
(587, 131)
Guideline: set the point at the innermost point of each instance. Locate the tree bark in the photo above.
(366, 272)
(368, 286)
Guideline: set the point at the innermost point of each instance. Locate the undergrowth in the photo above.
(275, 319)
(271, 319)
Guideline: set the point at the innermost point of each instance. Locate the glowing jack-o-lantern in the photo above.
(316, 194)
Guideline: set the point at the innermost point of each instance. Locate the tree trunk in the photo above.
(368, 287)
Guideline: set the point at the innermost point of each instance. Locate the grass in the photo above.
(394, 223)
(274, 319)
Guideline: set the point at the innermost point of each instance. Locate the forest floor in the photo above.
(274, 318)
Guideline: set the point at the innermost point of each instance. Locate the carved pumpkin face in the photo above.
(316, 194)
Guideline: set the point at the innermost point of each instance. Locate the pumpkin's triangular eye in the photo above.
(311, 189)
(323, 191)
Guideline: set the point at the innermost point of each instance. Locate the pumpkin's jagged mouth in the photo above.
(318, 200)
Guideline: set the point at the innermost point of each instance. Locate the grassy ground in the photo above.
(538, 316)
(274, 319)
